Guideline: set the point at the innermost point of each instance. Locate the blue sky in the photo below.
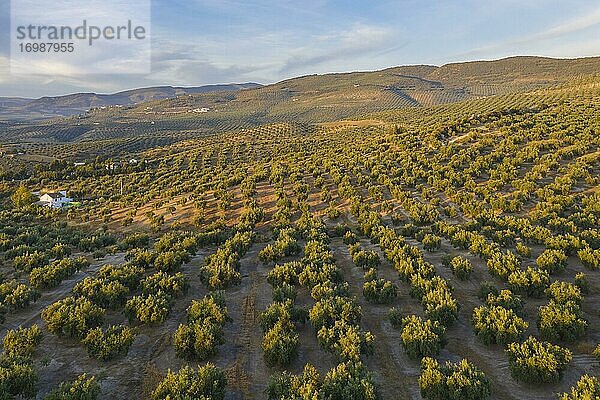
(197, 42)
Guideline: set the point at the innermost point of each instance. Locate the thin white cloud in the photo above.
(359, 41)
(4, 69)
(572, 26)
(306, 7)
(577, 24)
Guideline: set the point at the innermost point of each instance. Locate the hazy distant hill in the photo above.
(318, 98)
(78, 103)
(13, 101)
(160, 116)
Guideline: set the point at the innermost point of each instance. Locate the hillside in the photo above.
(79, 103)
(395, 255)
(309, 100)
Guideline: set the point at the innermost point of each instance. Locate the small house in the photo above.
(54, 199)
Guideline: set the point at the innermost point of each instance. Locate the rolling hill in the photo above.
(78, 103)
(146, 118)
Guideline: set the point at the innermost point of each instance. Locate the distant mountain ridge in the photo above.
(166, 115)
(78, 103)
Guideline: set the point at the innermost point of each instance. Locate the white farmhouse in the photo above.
(54, 199)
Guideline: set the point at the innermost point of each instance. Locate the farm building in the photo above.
(54, 199)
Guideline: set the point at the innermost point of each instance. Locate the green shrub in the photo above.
(350, 238)
(395, 317)
(17, 378)
(29, 261)
(553, 261)
(17, 296)
(280, 343)
(329, 289)
(197, 341)
(105, 293)
(460, 381)
(558, 321)
(178, 241)
(207, 382)
(287, 386)
(327, 311)
(60, 250)
(346, 340)
(53, 274)
(581, 282)
(174, 285)
(440, 305)
(221, 269)
(336, 319)
(349, 380)
(285, 245)
(588, 387)
(531, 282)
(285, 273)
(534, 361)
(421, 338)
(170, 261)
(370, 275)
(72, 317)
(109, 344)
(420, 286)
(497, 324)
(82, 388)
(210, 307)
(523, 250)
(134, 240)
(461, 267)
(564, 292)
(22, 342)
(332, 211)
(485, 289)
(283, 293)
(127, 274)
(281, 311)
(149, 309)
(199, 338)
(366, 259)
(140, 258)
(590, 258)
(380, 291)
(503, 264)
(431, 242)
(506, 299)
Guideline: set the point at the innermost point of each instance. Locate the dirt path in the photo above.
(247, 372)
(393, 371)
